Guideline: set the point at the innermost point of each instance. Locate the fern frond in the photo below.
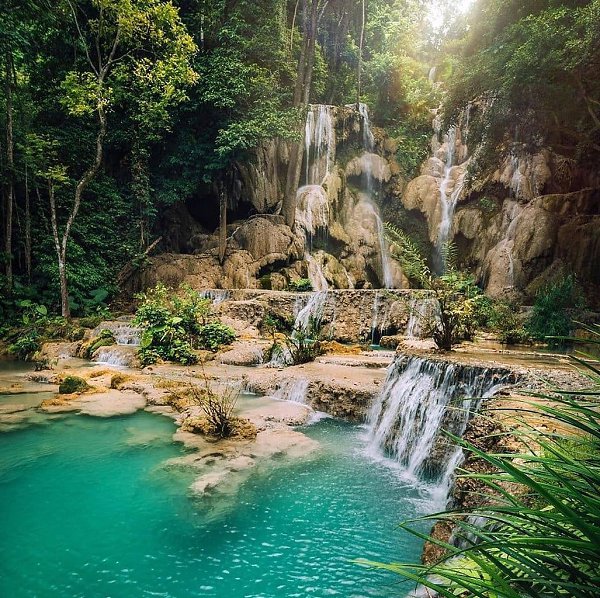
(404, 250)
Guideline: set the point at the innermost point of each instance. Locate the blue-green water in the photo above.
(89, 508)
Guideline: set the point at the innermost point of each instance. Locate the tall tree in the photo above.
(301, 98)
(128, 45)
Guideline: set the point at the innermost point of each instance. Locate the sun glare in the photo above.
(442, 12)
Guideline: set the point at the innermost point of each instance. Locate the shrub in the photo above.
(105, 339)
(303, 345)
(504, 319)
(552, 309)
(171, 324)
(24, 347)
(302, 285)
(218, 408)
(214, 335)
(72, 384)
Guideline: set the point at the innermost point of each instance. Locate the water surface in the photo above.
(90, 507)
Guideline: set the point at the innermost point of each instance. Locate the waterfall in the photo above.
(312, 202)
(319, 143)
(116, 355)
(420, 398)
(294, 390)
(369, 145)
(128, 336)
(379, 324)
(453, 180)
(216, 295)
(312, 312)
(421, 312)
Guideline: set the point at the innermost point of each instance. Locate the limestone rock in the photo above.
(368, 163)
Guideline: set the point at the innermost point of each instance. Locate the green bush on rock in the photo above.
(24, 347)
(72, 384)
(214, 335)
(175, 323)
(552, 310)
(302, 285)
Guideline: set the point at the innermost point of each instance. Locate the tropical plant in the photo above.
(456, 293)
(540, 540)
(301, 285)
(26, 345)
(214, 335)
(551, 317)
(175, 323)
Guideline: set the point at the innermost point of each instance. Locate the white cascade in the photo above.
(294, 390)
(453, 180)
(369, 144)
(379, 317)
(419, 399)
(116, 355)
(319, 143)
(313, 311)
(216, 295)
(421, 311)
(312, 202)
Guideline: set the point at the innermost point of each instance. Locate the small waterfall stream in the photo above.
(319, 143)
(453, 180)
(369, 145)
(420, 398)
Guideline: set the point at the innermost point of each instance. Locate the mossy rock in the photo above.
(118, 380)
(72, 384)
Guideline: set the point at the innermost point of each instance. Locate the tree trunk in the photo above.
(10, 168)
(301, 97)
(65, 308)
(222, 225)
(82, 185)
(60, 255)
(360, 55)
(27, 228)
(141, 188)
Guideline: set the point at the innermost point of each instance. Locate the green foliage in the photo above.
(104, 339)
(530, 66)
(541, 540)
(302, 285)
(214, 335)
(176, 323)
(459, 299)
(552, 311)
(504, 319)
(72, 384)
(487, 205)
(26, 345)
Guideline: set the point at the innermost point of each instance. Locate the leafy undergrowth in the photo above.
(175, 324)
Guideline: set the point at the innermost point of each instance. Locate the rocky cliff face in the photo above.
(337, 241)
(534, 217)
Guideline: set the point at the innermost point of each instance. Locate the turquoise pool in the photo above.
(90, 507)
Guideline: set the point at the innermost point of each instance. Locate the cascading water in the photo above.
(379, 321)
(421, 311)
(421, 398)
(319, 143)
(294, 390)
(216, 295)
(312, 312)
(312, 203)
(453, 181)
(368, 145)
